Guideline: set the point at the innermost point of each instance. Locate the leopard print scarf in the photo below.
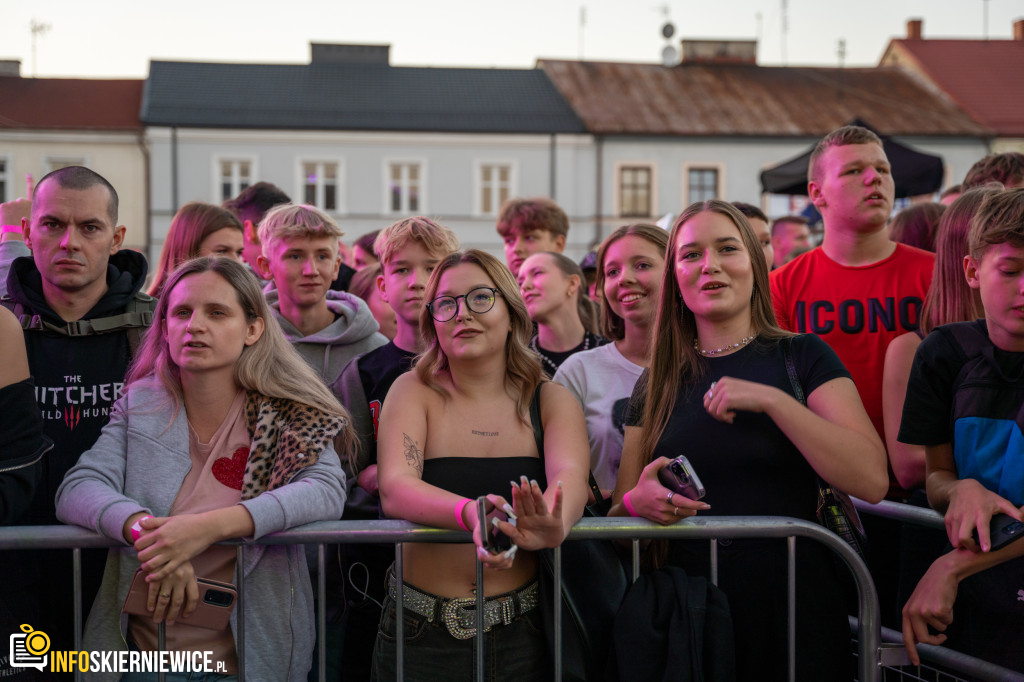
(287, 437)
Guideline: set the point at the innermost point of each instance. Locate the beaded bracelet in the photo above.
(459, 506)
(629, 507)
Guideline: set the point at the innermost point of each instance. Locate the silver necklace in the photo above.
(548, 361)
(709, 352)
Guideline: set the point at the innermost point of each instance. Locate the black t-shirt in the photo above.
(748, 467)
(980, 413)
(378, 369)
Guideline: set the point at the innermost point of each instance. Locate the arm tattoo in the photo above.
(413, 455)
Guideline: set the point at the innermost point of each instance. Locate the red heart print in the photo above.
(230, 471)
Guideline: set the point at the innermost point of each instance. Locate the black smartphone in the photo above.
(1002, 530)
(679, 477)
(213, 612)
(495, 541)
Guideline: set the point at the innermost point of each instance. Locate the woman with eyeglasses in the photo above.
(474, 415)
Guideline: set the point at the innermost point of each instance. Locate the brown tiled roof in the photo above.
(749, 100)
(985, 77)
(69, 103)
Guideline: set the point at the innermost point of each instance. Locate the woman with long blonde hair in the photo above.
(473, 415)
(223, 431)
(718, 391)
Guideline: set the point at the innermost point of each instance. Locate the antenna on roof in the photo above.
(785, 29)
(37, 28)
(583, 22)
(841, 51)
(984, 14)
(668, 29)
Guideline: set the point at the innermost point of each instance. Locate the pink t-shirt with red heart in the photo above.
(213, 482)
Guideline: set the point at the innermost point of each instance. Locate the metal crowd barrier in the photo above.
(937, 662)
(381, 532)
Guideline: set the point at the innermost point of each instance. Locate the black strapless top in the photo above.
(475, 476)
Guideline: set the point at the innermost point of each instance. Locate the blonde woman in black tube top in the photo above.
(459, 426)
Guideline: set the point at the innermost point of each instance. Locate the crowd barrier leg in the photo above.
(321, 613)
(240, 611)
(399, 613)
(76, 567)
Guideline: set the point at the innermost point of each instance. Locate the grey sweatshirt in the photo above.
(353, 332)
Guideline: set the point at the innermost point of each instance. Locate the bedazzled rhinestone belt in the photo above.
(459, 614)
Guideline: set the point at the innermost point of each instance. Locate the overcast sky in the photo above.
(117, 38)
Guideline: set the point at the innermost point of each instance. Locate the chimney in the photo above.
(332, 53)
(1018, 29)
(914, 29)
(10, 67)
(719, 52)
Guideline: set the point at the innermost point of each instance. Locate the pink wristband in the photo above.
(4, 229)
(136, 529)
(459, 506)
(629, 507)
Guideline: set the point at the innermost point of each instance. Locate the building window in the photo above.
(235, 175)
(4, 180)
(320, 184)
(495, 187)
(635, 191)
(703, 184)
(57, 162)
(404, 182)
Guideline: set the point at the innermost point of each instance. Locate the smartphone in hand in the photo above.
(494, 540)
(213, 612)
(679, 477)
(1003, 529)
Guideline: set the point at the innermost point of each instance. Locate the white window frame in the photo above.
(478, 185)
(386, 187)
(52, 161)
(218, 159)
(652, 191)
(709, 165)
(339, 194)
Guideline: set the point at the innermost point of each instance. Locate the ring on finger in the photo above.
(165, 596)
(668, 498)
(675, 512)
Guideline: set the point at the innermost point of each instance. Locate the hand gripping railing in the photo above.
(398, 532)
(950, 659)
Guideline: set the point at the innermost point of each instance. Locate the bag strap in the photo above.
(538, 436)
(787, 353)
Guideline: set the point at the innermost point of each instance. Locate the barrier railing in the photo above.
(952, 663)
(398, 532)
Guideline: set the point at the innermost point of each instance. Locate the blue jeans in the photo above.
(517, 651)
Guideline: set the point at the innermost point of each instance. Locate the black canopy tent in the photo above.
(914, 172)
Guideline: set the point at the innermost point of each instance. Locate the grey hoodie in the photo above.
(353, 332)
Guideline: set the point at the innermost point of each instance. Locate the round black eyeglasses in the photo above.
(478, 300)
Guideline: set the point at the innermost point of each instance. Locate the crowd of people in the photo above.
(270, 378)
